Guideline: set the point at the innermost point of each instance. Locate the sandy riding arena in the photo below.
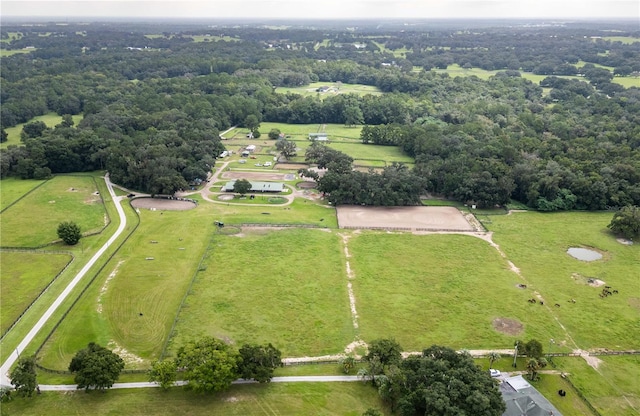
(403, 218)
(259, 176)
(163, 204)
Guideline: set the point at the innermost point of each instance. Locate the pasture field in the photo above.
(300, 212)
(571, 404)
(371, 152)
(9, 52)
(336, 132)
(613, 388)
(12, 189)
(131, 304)
(439, 289)
(324, 399)
(287, 287)
(537, 243)
(334, 89)
(34, 219)
(24, 275)
(50, 119)
(624, 39)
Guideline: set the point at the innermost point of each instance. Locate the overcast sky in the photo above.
(322, 9)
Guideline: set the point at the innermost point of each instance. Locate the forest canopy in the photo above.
(153, 106)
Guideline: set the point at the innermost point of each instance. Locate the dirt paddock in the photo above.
(403, 218)
(260, 176)
(162, 204)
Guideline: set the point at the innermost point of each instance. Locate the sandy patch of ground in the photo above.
(104, 287)
(163, 204)
(624, 241)
(291, 166)
(260, 176)
(129, 358)
(507, 326)
(634, 303)
(593, 361)
(226, 197)
(591, 281)
(403, 218)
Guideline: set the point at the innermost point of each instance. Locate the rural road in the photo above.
(143, 385)
(6, 366)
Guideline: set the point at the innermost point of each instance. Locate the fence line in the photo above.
(89, 283)
(5, 332)
(582, 397)
(24, 195)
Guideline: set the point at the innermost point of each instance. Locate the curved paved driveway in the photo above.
(6, 366)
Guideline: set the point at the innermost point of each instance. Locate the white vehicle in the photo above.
(267, 164)
(494, 373)
(258, 164)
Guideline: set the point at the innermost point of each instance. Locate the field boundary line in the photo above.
(24, 195)
(5, 332)
(89, 283)
(176, 318)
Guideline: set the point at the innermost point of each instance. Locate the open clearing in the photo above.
(287, 287)
(261, 176)
(404, 218)
(50, 119)
(537, 243)
(24, 275)
(33, 221)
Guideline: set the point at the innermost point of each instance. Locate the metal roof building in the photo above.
(523, 399)
(257, 186)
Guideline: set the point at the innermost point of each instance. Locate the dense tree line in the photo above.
(153, 106)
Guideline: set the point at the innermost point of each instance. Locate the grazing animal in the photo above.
(531, 301)
(572, 301)
(607, 287)
(558, 305)
(541, 303)
(615, 291)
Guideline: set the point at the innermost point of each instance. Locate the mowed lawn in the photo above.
(537, 244)
(344, 399)
(298, 131)
(287, 287)
(33, 221)
(24, 276)
(133, 302)
(12, 189)
(613, 388)
(334, 89)
(439, 289)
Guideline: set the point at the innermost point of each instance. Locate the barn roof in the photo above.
(258, 186)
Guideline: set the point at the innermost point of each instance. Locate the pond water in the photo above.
(584, 254)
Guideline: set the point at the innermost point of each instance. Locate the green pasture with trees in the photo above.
(33, 221)
(283, 398)
(133, 301)
(24, 276)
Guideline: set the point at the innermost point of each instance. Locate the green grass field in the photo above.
(50, 119)
(345, 399)
(286, 287)
(143, 278)
(5, 52)
(335, 88)
(624, 39)
(537, 244)
(371, 152)
(439, 289)
(12, 189)
(456, 71)
(613, 388)
(24, 275)
(34, 220)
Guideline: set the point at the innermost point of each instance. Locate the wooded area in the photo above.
(153, 106)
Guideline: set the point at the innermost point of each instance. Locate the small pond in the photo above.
(584, 254)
